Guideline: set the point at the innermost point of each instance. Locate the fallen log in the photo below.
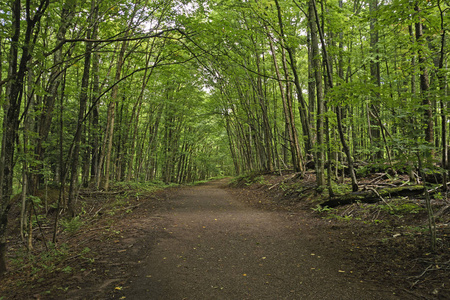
(371, 196)
(91, 193)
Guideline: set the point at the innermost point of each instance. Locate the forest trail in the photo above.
(211, 246)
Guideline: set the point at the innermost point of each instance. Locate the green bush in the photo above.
(71, 225)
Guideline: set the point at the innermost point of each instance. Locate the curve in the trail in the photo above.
(218, 248)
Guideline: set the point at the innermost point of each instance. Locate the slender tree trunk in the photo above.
(316, 68)
(288, 114)
(14, 90)
(267, 149)
(1, 67)
(95, 131)
(109, 137)
(443, 104)
(374, 128)
(424, 82)
(120, 153)
(86, 157)
(231, 143)
(27, 128)
(151, 146)
(413, 63)
(311, 83)
(298, 166)
(293, 64)
(80, 125)
(28, 176)
(111, 114)
(135, 115)
(63, 167)
(46, 116)
(338, 109)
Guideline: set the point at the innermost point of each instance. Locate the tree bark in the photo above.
(293, 135)
(135, 115)
(80, 123)
(339, 110)
(267, 134)
(16, 73)
(374, 128)
(316, 66)
(46, 115)
(287, 109)
(95, 130)
(112, 114)
(369, 196)
(443, 104)
(424, 83)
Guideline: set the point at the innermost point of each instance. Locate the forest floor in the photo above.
(264, 238)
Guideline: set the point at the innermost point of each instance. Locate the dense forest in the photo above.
(97, 92)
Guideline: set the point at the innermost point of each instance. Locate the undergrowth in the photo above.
(149, 187)
(247, 180)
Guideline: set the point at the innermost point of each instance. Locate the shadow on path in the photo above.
(215, 247)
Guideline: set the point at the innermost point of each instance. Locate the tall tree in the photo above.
(316, 68)
(18, 63)
(424, 78)
(375, 81)
(83, 98)
(339, 110)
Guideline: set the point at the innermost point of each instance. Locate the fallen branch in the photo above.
(100, 193)
(434, 190)
(377, 178)
(369, 196)
(283, 181)
(382, 199)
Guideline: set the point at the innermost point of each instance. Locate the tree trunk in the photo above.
(135, 115)
(443, 104)
(111, 114)
(424, 83)
(339, 110)
(95, 130)
(288, 114)
(80, 123)
(13, 100)
(46, 115)
(266, 130)
(374, 128)
(316, 66)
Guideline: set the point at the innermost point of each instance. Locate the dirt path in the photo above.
(212, 246)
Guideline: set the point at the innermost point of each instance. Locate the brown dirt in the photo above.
(257, 242)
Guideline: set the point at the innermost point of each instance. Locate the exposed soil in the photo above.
(259, 241)
(387, 242)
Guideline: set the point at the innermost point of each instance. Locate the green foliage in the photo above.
(321, 209)
(46, 261)
(199, 94)
(147, 187)
(67, 269)
(35, 200)
(332, 213)
(84, 254)
(247, 180)
(341, 189)
(344, 218)
(402, 208)
(259, 179)
(71, 225)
